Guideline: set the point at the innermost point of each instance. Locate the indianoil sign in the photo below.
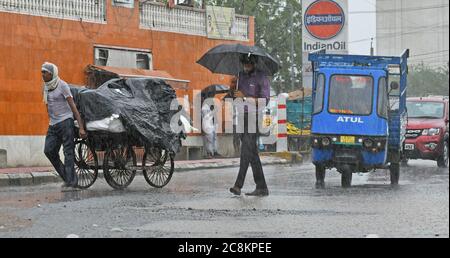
(325, 26)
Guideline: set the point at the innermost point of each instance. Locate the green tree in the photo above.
(273, 33)
(424, 81)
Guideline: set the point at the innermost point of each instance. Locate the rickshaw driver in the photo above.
(61, 111)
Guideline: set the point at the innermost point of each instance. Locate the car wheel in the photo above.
(404, 162)
(443, 160)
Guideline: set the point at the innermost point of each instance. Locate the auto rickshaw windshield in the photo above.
(352, 95)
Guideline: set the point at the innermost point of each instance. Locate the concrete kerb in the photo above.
(45, 177)
(37, 178)
(4, 180)
(225, 164)
(291, 157)
(28, 179)
(21, 179)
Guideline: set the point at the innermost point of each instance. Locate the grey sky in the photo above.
(361, 26)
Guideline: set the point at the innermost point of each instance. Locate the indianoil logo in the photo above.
(324, 19)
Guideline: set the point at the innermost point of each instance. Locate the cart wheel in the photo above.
(86, 165)
(116, 167)
(162, 167)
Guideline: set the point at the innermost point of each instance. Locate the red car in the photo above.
(427, 131)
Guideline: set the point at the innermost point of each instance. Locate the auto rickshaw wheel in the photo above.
(320, 177)
(394, 168)
(346, 177)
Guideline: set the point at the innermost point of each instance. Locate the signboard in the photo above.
(324, 19)
(221, 23)
(325, 26)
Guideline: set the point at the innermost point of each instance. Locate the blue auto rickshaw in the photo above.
(359, 114)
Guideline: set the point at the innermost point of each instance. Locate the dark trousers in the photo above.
(250, 157)
(62, 134)
(236, 141)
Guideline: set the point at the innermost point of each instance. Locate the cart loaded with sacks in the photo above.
(128, 131)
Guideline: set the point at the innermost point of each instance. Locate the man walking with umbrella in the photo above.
(252, 65)
(252, 85)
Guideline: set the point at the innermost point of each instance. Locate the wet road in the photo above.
(197, 204)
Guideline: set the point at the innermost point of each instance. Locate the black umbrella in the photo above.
(216, 89)
(225, 59)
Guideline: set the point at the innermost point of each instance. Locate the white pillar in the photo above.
(282, 140)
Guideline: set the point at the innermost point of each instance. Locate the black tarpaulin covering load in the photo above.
(142, 104)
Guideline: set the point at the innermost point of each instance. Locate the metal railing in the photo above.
(153, 15)
(85, 10)
(157, 16)
(242, 24)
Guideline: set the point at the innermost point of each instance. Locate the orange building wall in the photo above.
(28, 41)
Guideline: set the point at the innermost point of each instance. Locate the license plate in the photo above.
(348, 139)
(410, 146)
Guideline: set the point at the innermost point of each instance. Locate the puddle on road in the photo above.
(24, 198)
(372, 183)
(11, 222)
(27, 197)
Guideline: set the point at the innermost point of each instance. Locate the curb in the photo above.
(291, 157)
(27, 179)
(4, 180)
(39, 178)
(234, 164)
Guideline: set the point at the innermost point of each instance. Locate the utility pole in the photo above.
(372, 51)
(291, 14)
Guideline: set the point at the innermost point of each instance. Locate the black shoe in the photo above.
(320, 185)
(75, 185)
(64, 185)
(235, 190)
(259, 192)
(70, 189)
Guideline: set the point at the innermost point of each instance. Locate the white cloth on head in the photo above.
(51, 85)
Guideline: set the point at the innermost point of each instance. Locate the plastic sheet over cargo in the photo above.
(142, 106)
